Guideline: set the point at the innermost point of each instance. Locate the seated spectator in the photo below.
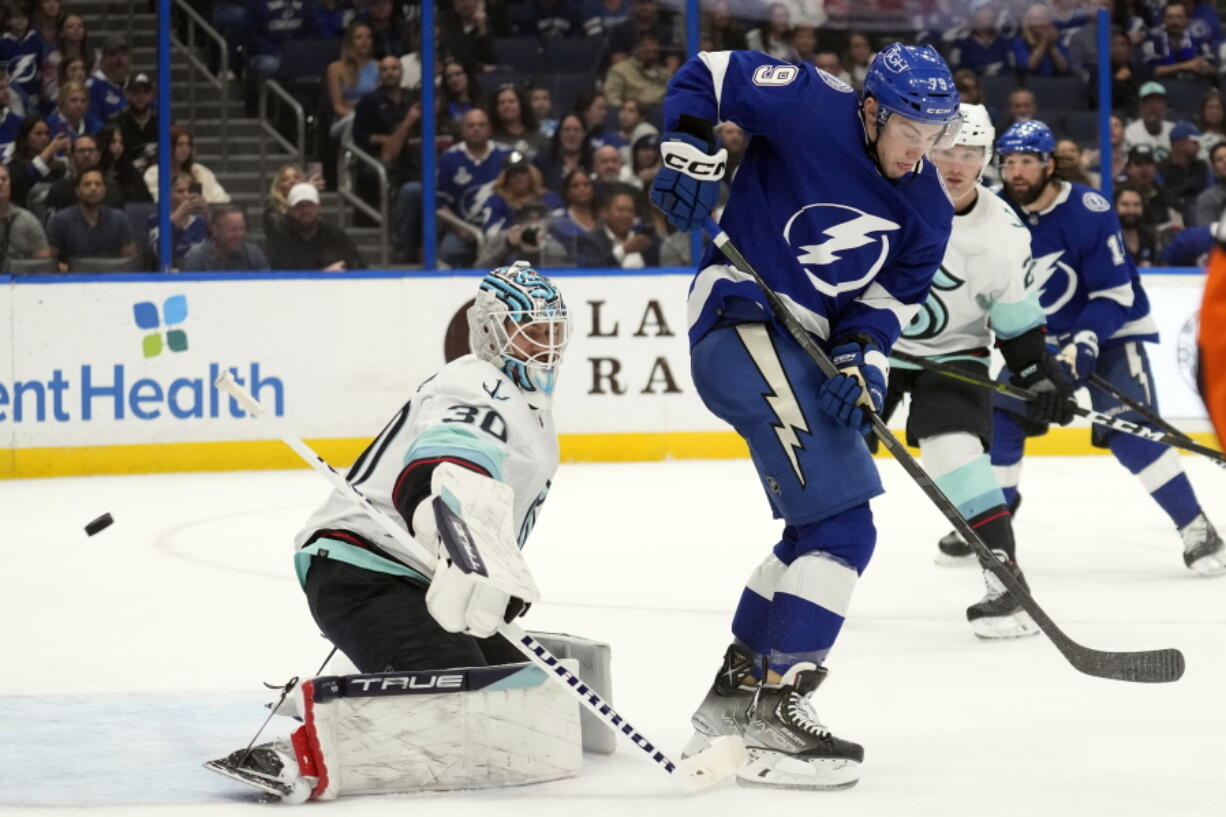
(642, 77)
(309, 243)
(1125, 79)
(568, 151)
(465, 35)
(860, 55)
(389, 29)
(189, 222)
(1151, 128)
(459, 94)
(1210, 203)
(580, 212)
(619, 241)
(465, 174)
(276, 205)
(350, 78)
(518, 186)
(269, 24)
(1038, 50)
(645, 159)
(71, 41)
(38, 162)
(1172, 51)
(1140, 238)
(600, 17)
(10, 121)
(21, 234)
(72, 114)
(828, 61)
(1189, 248)
(45, 21)
(119, 171)
(1205, 23)
(89, 228)
(139, 126)
(547, 19)
(71, 69)
(1069, 166)
(21, 51)
(645, 18)
(1021, 106)
(1069, 14)
(720, 31)
(1119, 155)
(332, 18)
(84, 155)
(1161, 206)
(106, 86)
(529, 238)
(804, 45)
(611, 174)
(593, 108)
(1082, 43)
(984, 50)
(515, 125)
(773, 35)
(1184, 174)
(541, 101)
(633, 125)
(1211, 120)
(184, 161)
(1134, 18)
(228, 250)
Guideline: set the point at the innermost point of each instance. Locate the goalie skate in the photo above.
(998, 614)
(1203, 550)
(722, 711)
(269, 767)
(788, 747)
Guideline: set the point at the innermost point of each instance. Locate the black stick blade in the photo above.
(1148, 667)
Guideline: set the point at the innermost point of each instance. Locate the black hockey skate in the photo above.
(998, 614)
(269, 767)
(723, 710)
(788, 747)
(953, 550)
(1203, 549)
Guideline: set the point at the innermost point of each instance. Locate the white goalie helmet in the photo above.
(976, 131)
(520, 323)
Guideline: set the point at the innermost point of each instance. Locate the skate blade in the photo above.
(768, 769)
(1212, 565)
(300, 792)
(997, 628)
(718, 762)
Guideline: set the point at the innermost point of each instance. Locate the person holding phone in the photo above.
(189, 222)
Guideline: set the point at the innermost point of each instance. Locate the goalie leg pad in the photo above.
(595, 669)
(439, 730)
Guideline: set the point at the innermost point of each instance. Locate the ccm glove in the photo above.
(859, 389)
(1079, 355)
(1054, 388)
(686, 188)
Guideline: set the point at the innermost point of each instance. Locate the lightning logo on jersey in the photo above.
(842, 236)
(1056, 281)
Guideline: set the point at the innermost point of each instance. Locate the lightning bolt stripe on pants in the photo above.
(781, 398)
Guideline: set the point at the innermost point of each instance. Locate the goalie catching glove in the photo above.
(481, 580)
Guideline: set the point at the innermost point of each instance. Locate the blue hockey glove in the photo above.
(1079, 355)
(1054, 388)
(686, 187)
(862, 384)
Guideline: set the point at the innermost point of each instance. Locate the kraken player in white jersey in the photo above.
(982, 288)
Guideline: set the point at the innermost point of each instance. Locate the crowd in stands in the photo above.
(548, 116)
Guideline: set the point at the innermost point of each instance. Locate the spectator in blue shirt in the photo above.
(189, 221)
(89, 228)
(10, 121)
(602, 16)
(106, 86)
(72, 114)
(547, 19)
(269, 24)
(1204, 22)
(1038, 50)
(1172, 50)
(466, 174)
(985, 50)
(21, 49)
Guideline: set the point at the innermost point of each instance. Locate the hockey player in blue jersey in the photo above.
(836, 205)
(1098, 320)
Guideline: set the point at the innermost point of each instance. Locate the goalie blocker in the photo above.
(436, 730)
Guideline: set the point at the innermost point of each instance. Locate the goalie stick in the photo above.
(1146, 412)
(1149, 666)
(708, 768)
(1175, 440)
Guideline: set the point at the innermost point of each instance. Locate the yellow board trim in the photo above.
(251, 455)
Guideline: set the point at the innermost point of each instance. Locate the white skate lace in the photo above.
(800, 712)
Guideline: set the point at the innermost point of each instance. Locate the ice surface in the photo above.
(132, 656)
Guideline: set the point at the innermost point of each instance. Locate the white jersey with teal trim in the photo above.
(469, 412)
(984, 285)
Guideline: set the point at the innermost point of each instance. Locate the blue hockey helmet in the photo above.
(914, 82)
(1031, 136)
(519, 323)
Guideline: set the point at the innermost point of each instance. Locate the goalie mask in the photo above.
(520, 323)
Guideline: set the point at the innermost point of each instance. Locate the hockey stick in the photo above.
(1146, 412)
(710, 767)
(1150, 666)
(1175, 440)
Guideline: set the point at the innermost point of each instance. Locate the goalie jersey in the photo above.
(1085, 278)
(847, 249)
(984, 285)
(470, 414)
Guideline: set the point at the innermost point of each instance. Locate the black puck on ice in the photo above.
(101, 523)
